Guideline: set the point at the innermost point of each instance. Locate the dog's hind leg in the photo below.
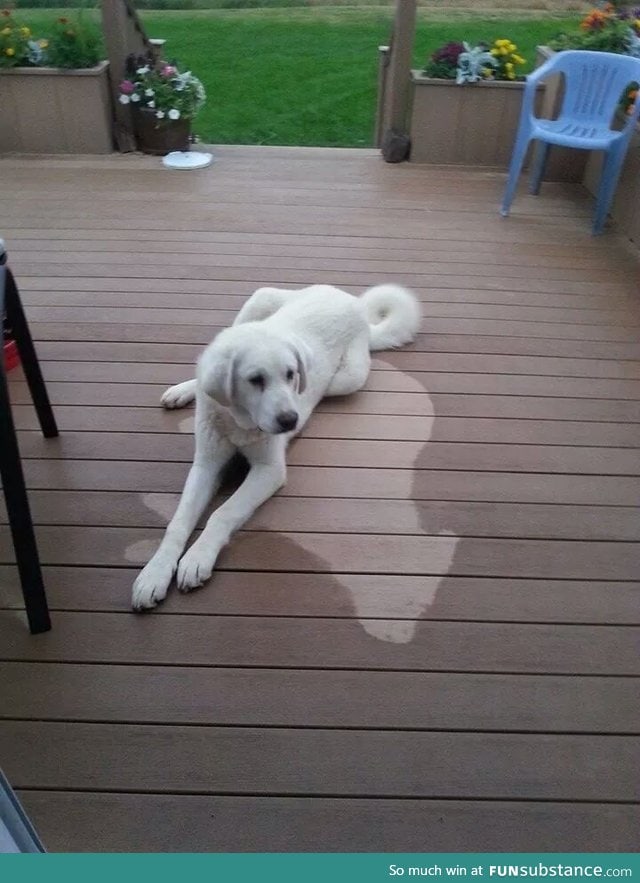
(354, 369)
(263, 303)
(179, 395)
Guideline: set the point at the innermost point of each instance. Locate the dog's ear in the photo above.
(303, 361)
(218, 371)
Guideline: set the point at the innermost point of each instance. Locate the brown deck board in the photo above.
(324, 595)
(428, 290)
(121, 509)
(447, 368)
(343, 482)
(365, 763)
(444, 404)
(368, 453)
(435, 301)
(147, 822)
(283, 642)
(430, 634)
(626, 355)
(359, 553)
(69, 262)
(281, 697)
(355, 426)
(386, 383)
(198, 333)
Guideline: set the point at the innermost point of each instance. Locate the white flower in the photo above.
(151, 104)
(149, 93)
(160, 114)
(143, 70)
(174, 114)
(124, 99)
(135, 97)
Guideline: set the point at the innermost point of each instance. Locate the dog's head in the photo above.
(257, 375)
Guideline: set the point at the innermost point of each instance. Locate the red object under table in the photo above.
(10, 354)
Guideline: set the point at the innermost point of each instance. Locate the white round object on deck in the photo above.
(188, 159)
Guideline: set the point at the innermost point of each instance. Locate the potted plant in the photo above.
(54, 87)
(164, 102)
(466, 104)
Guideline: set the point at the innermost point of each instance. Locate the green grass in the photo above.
(306, 76)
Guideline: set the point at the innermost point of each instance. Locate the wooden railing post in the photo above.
(123, 35)
(397, 86)
(383, 64)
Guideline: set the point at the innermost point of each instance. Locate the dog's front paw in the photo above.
(151, 586)
(179, 395)
(195, 567)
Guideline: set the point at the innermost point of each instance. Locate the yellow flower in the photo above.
(25, 32)
(9, 51)
(509, 66)
(511, 75)
(512, 47)
(43, 44)
(5, 32)
(495, 52)
(518, 59)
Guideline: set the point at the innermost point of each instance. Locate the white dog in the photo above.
(256, 386)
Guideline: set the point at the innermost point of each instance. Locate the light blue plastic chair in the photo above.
(594, 83)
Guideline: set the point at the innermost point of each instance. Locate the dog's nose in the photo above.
(287, 420)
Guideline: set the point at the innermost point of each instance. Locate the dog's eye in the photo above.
(257, 380)
(290, 375)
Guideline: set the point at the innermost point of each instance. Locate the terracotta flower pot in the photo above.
(160, 137)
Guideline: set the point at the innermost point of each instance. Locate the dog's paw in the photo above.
(195, 568)
(151, 585)
(179, 395)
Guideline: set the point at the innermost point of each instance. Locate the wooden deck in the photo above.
(428, 641)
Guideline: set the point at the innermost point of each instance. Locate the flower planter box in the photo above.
(473, 124)
(46, 110)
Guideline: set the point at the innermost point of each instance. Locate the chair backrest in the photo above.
(594, 82)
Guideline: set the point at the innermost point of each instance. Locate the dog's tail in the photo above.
(394, 316)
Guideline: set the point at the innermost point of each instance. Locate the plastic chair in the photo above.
(594, 83)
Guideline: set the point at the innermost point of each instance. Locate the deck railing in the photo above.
(124, 35)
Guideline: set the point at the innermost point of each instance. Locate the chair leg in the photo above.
(28, 357)
(515, 167)
(20, 521)
(538, 167)
(611, 169)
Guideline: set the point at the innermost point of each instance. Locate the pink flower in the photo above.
(169, 70)
(127, 87)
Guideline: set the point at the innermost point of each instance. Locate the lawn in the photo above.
(302, 76)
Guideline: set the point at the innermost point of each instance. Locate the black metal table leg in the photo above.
(24, 540)
(11, 473)
(30, 365)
